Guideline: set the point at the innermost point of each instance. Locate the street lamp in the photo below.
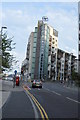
(1, 36)
(1, 32)
(2, 29)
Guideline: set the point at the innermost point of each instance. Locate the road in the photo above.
(52, 101)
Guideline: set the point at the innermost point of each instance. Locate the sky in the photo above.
(21, 18)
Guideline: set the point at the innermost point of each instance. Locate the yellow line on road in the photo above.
(38, 105)
(35, 103)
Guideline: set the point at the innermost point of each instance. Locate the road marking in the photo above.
(56, 93)
(53, 91)
(73, 100)
(35, 110)
(35, 103)
(27, 87)
(40, 108)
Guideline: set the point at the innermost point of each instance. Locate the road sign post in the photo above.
(15, 72)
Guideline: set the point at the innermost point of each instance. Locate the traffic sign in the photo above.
(15, 72)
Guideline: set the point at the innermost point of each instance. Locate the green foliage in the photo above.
(7, 47)
(76, 77)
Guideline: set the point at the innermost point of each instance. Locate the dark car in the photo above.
(37, 84)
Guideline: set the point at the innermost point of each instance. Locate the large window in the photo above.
(35, 34)
(33, 66)
(34, 44)
(33, 54)
(35, 39)
(33, 59)
(34, 49)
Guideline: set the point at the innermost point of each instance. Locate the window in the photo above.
(33, 59)
(34, 50)
(35, 39)
(35, 35)
(32, 70)
(33, 54)
(34, 45)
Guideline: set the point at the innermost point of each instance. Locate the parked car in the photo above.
(37, 84)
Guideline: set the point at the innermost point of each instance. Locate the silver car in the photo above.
(37, 84)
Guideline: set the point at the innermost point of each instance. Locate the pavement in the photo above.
(6, 87)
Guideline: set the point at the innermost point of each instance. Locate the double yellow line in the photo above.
(40, 108)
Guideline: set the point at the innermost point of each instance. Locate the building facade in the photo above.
(40, 43)
(62, 65)
(45, 59)
(79, 38)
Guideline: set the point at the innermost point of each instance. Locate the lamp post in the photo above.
(1, 32)
(2, 29)
(1, 37)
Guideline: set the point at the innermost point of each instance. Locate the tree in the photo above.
(76, 77)
(7, 46)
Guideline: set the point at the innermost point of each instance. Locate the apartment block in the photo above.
(62, 65)
(42, 41)
(45, 59)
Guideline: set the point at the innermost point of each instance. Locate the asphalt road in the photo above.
(52, 101)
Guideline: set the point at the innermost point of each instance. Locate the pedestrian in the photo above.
(14, 80)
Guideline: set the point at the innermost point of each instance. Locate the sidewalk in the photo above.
(69, 85)
(66, 85)
(6, 87)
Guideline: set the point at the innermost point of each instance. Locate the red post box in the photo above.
(17, 80)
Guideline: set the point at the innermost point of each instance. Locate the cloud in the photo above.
(66, 22)
(20, 57)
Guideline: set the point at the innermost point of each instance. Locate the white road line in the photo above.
(46, 89)
(56, 93)
(53, 92)
(73, 100)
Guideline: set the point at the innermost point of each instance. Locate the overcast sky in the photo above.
(21, 18)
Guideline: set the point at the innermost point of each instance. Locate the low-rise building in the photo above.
(62, 65)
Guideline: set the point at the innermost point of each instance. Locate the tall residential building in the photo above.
(43, 41)
(45, 59)
(79, 38)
